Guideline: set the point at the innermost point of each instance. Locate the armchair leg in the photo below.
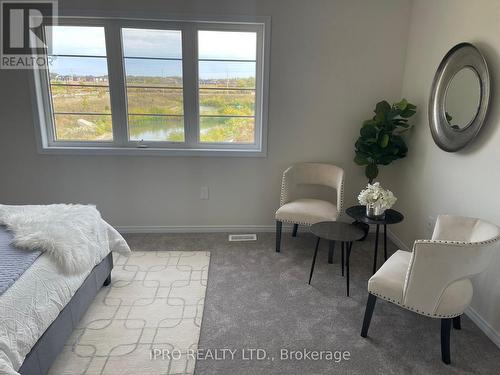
(457, 323)
(445, 339)
(314, 260)
(279, 224)
(370, 305)
(295, 227)
(331, 251)
(342, 256)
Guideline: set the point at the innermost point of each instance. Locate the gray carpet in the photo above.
(257, 298)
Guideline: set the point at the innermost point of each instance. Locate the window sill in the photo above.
(151, 151)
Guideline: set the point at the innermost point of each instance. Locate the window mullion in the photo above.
(117, 83)
(190, 83)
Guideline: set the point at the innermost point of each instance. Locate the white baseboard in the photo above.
(200, 228)
(397, 241)
(483, 325)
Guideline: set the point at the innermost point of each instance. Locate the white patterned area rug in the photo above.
(147, 322)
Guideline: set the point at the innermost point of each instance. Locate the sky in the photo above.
(70, 40)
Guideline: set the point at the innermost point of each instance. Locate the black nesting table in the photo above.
(390, 217)
(333, 231)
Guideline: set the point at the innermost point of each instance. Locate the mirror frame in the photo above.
(463, 55)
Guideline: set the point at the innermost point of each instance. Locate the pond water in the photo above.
(160, 134)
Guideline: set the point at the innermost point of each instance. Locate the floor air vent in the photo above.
(242, 237)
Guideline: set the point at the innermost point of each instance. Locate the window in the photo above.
(226, 66)
(79, 85)
(153, 76)
(135, 86)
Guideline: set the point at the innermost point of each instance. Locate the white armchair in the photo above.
(434, 279)
(308, 211)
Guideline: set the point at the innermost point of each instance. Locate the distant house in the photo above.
(71, 78)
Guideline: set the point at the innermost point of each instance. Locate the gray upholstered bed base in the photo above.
(48, 347)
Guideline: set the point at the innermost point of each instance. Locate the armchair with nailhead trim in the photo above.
(308, 211)
(434, 279)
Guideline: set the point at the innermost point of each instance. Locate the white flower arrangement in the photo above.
(374, 194)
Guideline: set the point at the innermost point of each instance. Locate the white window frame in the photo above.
(44, 123)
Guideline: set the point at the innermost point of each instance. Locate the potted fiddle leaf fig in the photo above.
(380, 141)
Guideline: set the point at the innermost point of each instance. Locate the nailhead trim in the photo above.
(295, 222)
(341, 204)
(459, 243)
(415, 309)
(284, 189)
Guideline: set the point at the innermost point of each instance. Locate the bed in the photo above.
(41, 305)
(48, 347)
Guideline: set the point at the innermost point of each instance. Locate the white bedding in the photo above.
(34, 301)
(71, 234)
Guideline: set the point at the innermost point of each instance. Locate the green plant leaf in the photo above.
(371, 171)
(409, 111)
(394, 112)
(387, 159)
(402, 123)
(360, 160)
(375, 150)
(402, 150)
(371, 122)
(401, 105)
(368, 131)
(381, 112)
(363, 147)
(397, 140)
(362, 154)
(384, 141)
(382, 107)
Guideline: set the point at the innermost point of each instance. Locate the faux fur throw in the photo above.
(74, 236)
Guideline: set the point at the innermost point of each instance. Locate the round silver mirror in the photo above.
(459, 97)
(463, 97)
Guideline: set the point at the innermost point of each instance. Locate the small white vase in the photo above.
(374, 211)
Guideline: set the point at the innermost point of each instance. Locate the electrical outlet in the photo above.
(204, 193)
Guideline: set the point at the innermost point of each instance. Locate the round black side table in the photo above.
(336, 231)
(358, 213)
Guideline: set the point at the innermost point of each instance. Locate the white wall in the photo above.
(430, 181)
(331, 61)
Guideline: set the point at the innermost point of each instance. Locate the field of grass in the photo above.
(92, 121)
